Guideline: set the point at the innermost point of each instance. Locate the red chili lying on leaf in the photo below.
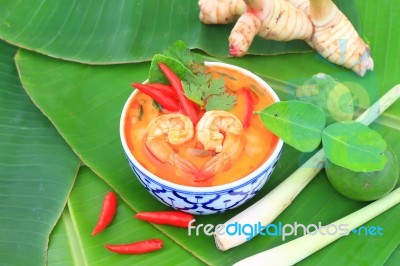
(107, 212)
(164, 88)
(139, 247)
(186, 105)
(174, 218)
(166, 101)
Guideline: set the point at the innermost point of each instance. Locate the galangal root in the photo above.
(269, 19)
(228, 11)
(336, 39)
(318, 22)
(221, 11)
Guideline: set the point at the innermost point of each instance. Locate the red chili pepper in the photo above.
(139, 247)
(164, 88)
(107, 212)
(249, 107)
(186, 105)
(174, 218)
(166, 101)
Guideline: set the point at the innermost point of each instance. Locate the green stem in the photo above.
(296, 250)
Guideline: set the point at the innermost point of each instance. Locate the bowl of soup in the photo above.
(213, 166)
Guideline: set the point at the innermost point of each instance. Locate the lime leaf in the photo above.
(155, 74)
(180, 51)
(354, 146)
(179, 58)
(330, 95)
(297, 123)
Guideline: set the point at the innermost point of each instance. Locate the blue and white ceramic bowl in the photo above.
(204, 200)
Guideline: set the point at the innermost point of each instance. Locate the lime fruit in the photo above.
(364, 186)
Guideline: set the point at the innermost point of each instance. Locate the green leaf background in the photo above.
(40, 159)
(107, 32)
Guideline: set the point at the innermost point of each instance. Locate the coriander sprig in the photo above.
(209, 94)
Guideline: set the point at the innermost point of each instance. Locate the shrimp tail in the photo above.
(164, 153)
(211, 167)
(159, 149)
(182, 164)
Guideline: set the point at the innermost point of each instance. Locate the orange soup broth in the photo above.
(258, 145)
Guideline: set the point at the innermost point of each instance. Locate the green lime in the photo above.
(364, 186)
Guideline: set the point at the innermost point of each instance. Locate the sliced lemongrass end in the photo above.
(296, 250)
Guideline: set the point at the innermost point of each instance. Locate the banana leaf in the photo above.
(92, 97)
(37, 171)
(84, 102)
(63, 243)
(394, 258)
(71, 243)
(107, 32)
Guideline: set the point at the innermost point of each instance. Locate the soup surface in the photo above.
(259, 142)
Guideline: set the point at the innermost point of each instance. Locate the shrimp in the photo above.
(175, 129)
(221, 132)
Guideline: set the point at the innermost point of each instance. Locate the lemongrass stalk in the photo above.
(302, 247)
(274, 203)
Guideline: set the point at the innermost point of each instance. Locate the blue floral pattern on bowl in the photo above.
(217, 201)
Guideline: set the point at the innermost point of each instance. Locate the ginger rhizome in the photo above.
(318, 22)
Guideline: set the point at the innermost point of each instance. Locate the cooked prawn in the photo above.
(175, 129)
(221, 132)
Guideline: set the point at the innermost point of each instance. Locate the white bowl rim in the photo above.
(232, 185)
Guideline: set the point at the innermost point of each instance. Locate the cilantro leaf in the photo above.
(193, 92)
(204, 89)
(203, 81)
(223, 102)
(215, 87)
